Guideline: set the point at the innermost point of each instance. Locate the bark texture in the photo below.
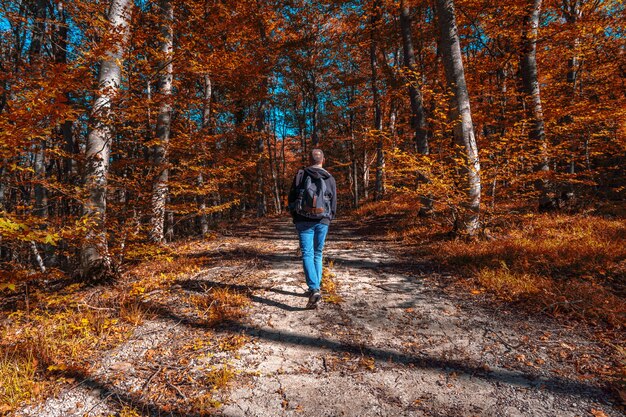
(418, 118)
(206, 118)
(530, 82)
(460, 112)
(378, 116)
(94, 253)
(163, 129)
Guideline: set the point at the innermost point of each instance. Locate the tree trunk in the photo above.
(39, 149)
(35, 52)
(460, 112)
(355, 173)
(41, 199)
(314, 134)
(283, 173)
(94, 253)
(261, 201)
(206, 117)
(271, 154)
(160, 187)
(573, 13)
(393, 118)
(38, 260)
(39, 29)
(378, 117)
(59, 49)
(502, 75)
(418, 118)
(366, 174)
(534, 109)
(354, 165)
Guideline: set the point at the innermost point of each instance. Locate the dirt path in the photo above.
(396, 345)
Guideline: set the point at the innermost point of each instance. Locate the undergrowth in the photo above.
(221, 304)
(49, 336)
(569, 265)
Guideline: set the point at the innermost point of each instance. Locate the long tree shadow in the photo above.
(526, 380)
(202, 286)
(249, 254)
(119, 398)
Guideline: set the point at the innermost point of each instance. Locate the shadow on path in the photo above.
(247, 254)
(109, 394)
(516, 378)
(205, 285)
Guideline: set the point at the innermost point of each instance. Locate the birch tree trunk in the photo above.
(39, 149)
(572, 10)
(160, 187)
(378, 117)
(418, 118)
(41, 195)
(39, 167)
(534, 109)
(94, 253)
(460, 113)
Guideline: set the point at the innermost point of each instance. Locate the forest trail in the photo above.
(394, 343)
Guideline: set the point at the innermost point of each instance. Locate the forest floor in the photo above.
(391, 338)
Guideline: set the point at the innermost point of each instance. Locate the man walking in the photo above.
(313, 204)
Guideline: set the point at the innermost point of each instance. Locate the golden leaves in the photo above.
(11, 228)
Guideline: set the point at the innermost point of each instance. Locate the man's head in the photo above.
(317, 157)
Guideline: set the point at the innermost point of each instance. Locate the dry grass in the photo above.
(570, 264)
(64, 330)
(219, 377)
(206, 404)
(127, 411)
(558, 246)
(509, 285)
(59, 333)
(233, 343)
(566, 264)
(329, 285)
(18, 382)
(221, 304)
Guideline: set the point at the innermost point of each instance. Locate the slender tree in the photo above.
(163, 128)
(94, 253)
(375, 18)
(207, 91)
(460, 113)
(418, 118)
(531, 88)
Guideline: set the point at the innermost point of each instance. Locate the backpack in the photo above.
(312, 198)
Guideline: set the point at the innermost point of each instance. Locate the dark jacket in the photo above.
(316, 172)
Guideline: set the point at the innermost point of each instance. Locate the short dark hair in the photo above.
(317, 156)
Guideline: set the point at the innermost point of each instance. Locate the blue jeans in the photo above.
(312, 236)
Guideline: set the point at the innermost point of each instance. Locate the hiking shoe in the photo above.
(314, 297)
